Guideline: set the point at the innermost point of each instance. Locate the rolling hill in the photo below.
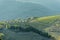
(12, 9)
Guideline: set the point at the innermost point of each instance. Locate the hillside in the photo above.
(12, 9)
(48, 28)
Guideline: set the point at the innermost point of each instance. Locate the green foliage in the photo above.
(34, 24)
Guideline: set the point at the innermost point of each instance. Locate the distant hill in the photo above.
(12, 9)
